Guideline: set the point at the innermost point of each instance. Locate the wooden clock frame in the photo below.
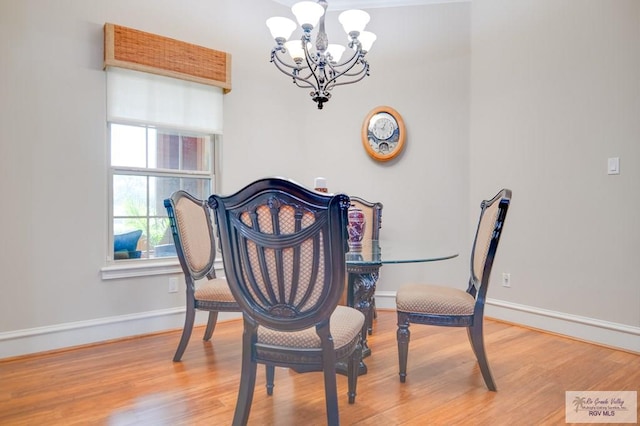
(402, 133)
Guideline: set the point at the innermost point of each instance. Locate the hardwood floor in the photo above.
(134, 381)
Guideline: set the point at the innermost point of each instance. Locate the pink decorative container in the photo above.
(355, 228)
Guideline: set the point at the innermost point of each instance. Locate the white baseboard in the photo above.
(40, 339)
(601, 332)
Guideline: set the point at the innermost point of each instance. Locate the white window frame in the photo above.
(152, 266)
(132, 99)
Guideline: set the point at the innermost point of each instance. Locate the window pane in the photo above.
(200, 188)
(168, 150)
(129, 239)
(178, 152)
(155, 240)
(161, 188)
(128, 146)
(190, 158)
(161, 240)
(129, 196)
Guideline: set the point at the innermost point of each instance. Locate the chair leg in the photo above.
(271, 373)
(331, 395)
(186, 332)
(353, 368)
(211, 325)
(329, 371)
(477, 344)
(247, 382)
(403, 334)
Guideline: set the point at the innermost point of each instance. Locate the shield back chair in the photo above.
(283, 248)
(373, 223)
(191, 226)
(419, 303)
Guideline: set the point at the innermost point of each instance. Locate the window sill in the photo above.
(145, 269)
(140, 269)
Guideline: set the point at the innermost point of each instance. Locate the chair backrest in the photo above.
(372, 217)
(192, 229)
(490, 226)
(283, 248)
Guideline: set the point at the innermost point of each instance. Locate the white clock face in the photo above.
(383, 128)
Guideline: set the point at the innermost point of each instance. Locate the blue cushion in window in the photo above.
(127, 241)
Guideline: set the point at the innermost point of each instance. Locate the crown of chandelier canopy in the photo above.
(319, 66)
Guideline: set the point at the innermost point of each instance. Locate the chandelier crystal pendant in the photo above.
(319, 67)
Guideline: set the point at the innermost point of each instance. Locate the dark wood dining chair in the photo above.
(373, 222)
(191, 226)
(283, 248)
(420, 303)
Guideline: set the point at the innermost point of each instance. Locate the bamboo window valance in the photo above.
(137, 50)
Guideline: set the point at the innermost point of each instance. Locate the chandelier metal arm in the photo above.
(357, 76)
(278, 61)
(357, 58)
(291, 71)
(364, 73)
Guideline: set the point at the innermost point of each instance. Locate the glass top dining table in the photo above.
(382, 252)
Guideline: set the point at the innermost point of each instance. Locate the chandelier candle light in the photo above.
(320, 68)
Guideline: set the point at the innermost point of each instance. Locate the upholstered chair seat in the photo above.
(215, 290)
(434, 300)
(345, 323)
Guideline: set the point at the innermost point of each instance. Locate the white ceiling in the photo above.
(368, 4)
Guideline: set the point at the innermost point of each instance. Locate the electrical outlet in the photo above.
(506, 279)
(173, 285)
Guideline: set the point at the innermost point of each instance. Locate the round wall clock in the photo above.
(383, 133)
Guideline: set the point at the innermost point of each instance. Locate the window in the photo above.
(163, 134)
(147, 164)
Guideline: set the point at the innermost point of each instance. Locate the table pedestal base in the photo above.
(361, 287)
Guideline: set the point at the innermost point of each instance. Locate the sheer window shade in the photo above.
(140, 97)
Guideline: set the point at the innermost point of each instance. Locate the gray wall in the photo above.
(530, 95)
(555, 92)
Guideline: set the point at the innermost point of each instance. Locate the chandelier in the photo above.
(320, 67)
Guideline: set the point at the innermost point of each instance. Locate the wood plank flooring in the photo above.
(134, 381)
